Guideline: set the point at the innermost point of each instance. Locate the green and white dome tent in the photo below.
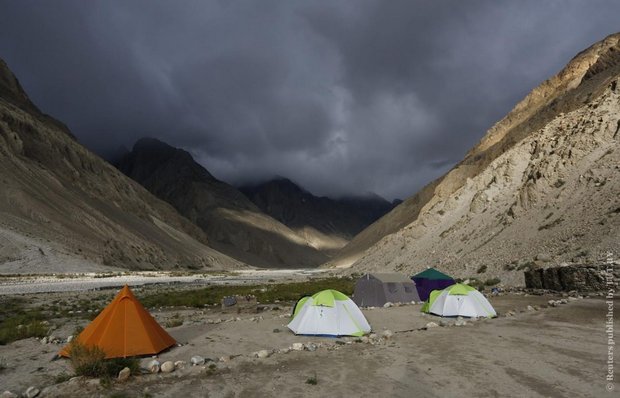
(459, 300)
(328, 313)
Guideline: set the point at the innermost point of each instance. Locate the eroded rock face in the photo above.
(582, 278)
(540, 188)
(65, 209)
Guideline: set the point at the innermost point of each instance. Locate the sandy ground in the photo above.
(554, 352)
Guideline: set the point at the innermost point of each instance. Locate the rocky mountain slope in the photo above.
(234, 225)
(541, 187)
(328, 223)
(62, 208)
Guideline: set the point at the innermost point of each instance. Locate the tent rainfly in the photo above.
(374, 290)
(459, 300)
(429, 280)
(124, 329)
(328, 313)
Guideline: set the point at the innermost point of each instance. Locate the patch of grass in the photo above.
(312, 380)
(22, 326)
(265, 294)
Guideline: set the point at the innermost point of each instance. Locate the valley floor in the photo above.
(552, 352)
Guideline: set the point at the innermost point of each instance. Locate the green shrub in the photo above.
(22, 326)
(312, 380)
(90, 361)
(492, 281)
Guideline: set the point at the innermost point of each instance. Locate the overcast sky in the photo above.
(343, 97)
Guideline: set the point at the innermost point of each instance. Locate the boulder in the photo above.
(93, 383)
(387, 305)
(544, 257)
(431, 325)
(530, 308)
(31, 392)
(167, 367)
(297, 346)
(124, 374)
(551, 279)
(533, 279)
(311, 347)
(44, 340)
(153, 366)
(180, 364)
(262, 354)
(197, 360)
(8, 394)
(387, 334)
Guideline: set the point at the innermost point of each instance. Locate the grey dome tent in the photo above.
(374, 290)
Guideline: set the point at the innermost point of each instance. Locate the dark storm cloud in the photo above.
(341, 96)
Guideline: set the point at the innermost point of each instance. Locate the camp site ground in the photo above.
(545, 352)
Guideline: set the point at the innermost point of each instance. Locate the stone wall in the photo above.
(571, 277)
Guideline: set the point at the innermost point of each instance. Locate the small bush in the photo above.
(90, 361)
(492, 281)
(174, 321)
(312, 380)
(86, 361)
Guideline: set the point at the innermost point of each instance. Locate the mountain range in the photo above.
(541, 187)
(62, 208)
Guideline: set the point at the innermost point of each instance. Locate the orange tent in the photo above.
(124, 329)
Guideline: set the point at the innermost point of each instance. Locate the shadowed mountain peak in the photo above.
(233, 223)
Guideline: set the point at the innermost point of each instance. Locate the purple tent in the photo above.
(429, 280)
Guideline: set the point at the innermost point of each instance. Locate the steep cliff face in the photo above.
(541, 186)
(62, 208)
(232, 222)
